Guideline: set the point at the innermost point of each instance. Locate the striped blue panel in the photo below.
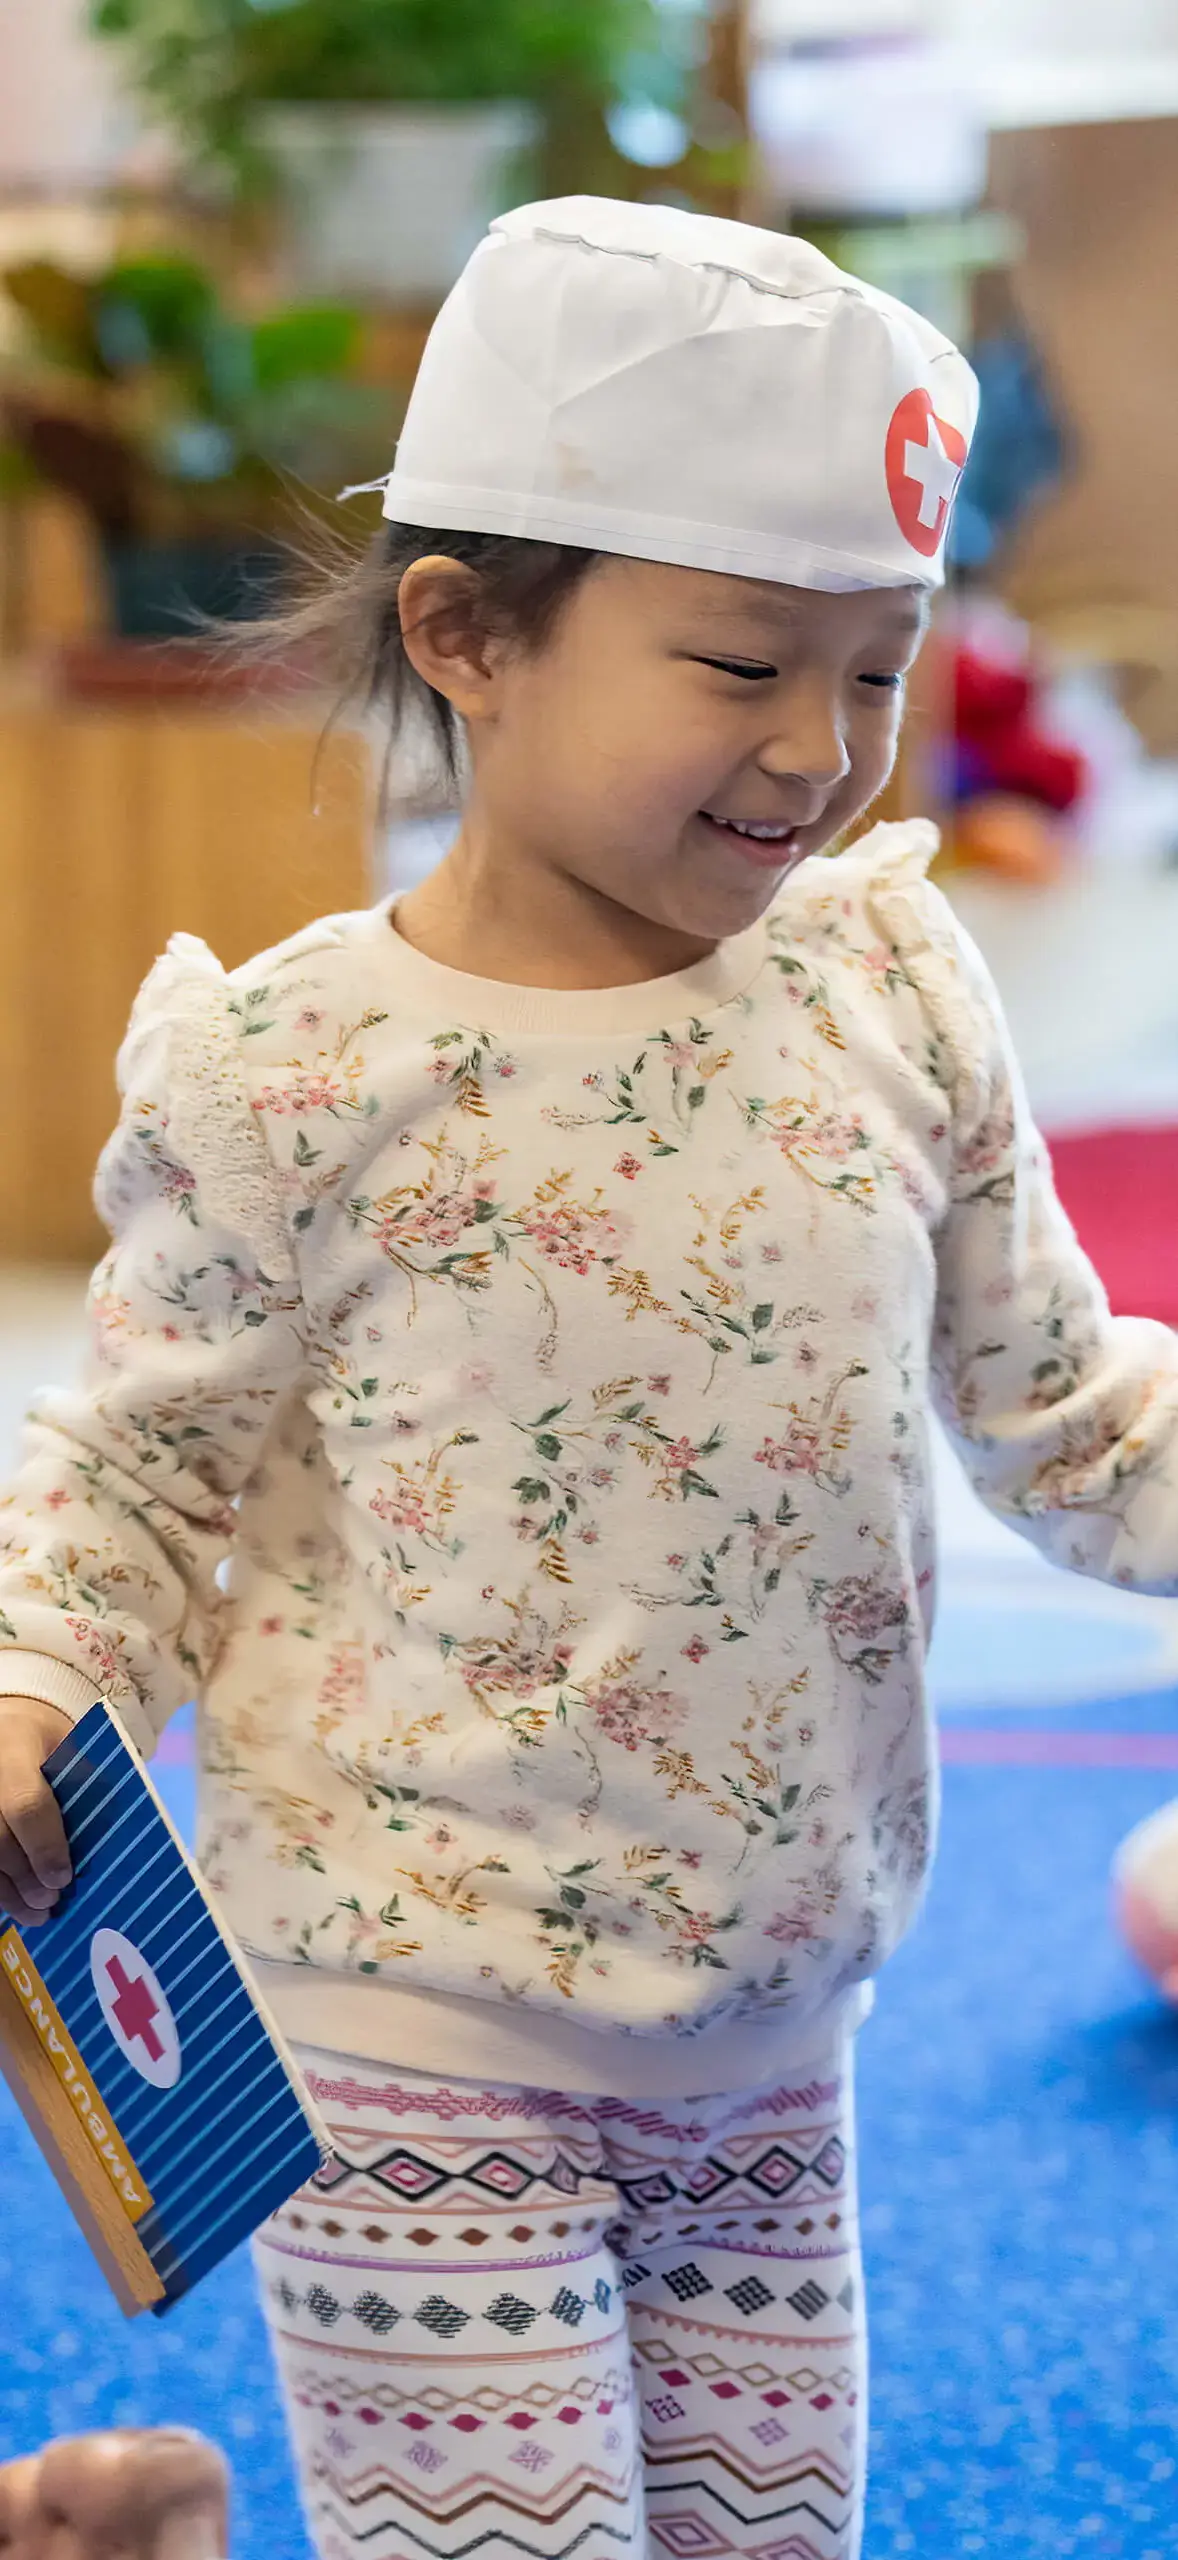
(230, 2141)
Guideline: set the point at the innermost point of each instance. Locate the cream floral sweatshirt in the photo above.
(507, 1417)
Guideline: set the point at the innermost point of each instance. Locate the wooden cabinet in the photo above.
(117, 829)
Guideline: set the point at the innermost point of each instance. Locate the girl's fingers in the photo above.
(22, 1895)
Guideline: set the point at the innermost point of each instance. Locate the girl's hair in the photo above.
(347, 622)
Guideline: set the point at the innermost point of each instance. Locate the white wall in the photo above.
(1038, 26)
(62, 124)
(997, 26)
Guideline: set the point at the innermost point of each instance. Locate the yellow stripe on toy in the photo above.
(24, 1980)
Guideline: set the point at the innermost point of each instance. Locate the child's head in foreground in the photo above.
(669, 504)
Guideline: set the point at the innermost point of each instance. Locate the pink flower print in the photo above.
(406, 1507)
(170, 1333)
(270, 1627)
(989, 1144)
(681, 1455)
(804, 1734)
(805, 1355)
(879, 962)
(506, 1067)
(372, 1333)
(792, 1928)
(441, 1838)
(601, 1476)
(476, 1377)
(593, 1081)
(631, 1715)
(57, 1499)
(440, 1072)
(680, 1053)
(316, 1093)
(613, 1442)
(308, 1019)
(865, 1306)
(862, 1609)
(676, 1563)
(660, 1386)
(830, 1135)
(179, 1182)
(691, 1858)
(573, 1238)
(798, 1454)
(628, 1166)
(771, 1253)
(520, 1817)
(695, 1651)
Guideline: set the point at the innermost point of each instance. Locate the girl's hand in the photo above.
(152, 2493)
(34, 1859)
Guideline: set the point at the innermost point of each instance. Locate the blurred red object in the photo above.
(986, 695)
(1120, 1190)
(1001, 746)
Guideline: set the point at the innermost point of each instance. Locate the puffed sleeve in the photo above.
(122, 1509)
(1064, 1416)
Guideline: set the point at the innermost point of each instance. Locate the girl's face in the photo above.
(683, 740)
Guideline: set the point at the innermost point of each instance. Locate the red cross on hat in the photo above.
(924, 459)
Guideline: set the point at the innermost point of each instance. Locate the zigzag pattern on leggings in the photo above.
(615, 2334)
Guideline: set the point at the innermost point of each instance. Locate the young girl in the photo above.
(509, 1415)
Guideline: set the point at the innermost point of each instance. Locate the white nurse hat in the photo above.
(638, 379)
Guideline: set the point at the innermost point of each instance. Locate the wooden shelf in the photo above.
(119, 828)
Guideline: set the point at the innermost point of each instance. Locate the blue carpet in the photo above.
(1019, 2098)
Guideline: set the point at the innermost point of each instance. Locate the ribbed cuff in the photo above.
(41, 1675)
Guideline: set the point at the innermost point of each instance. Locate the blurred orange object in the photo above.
(1012, 837)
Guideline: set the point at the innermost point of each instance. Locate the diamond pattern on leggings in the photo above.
(689, 2281)
(509, 2313)
(442, 2317)
(809, 2300)
(376, 2314)
(568, 2307)
(323, 2306)
(749, 2295)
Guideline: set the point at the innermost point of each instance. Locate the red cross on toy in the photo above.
(924, 459)
(135, 2009)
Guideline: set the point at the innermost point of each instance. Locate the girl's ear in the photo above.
(444, 634)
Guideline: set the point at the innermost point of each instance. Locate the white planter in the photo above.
(390, 201)
(857, 134)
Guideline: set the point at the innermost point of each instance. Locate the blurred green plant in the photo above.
(164, 412)
(206, 66)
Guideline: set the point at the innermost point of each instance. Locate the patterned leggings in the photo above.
(512, 2325)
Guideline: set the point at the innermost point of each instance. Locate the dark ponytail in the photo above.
(345, 624)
